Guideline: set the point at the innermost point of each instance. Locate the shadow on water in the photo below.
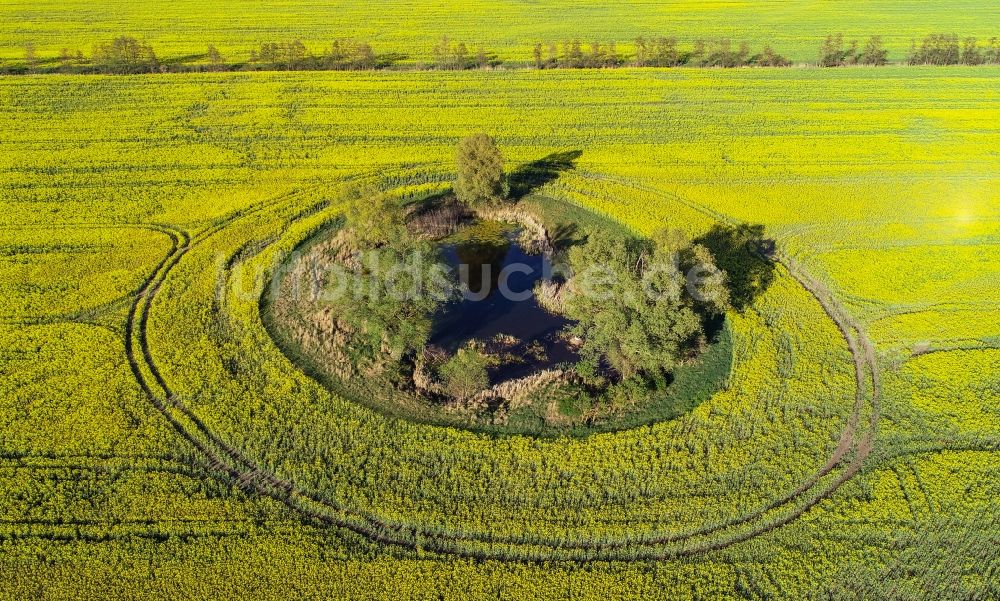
(531, 176)
(745, 254)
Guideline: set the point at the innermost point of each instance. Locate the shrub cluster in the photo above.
(834, 54)
(456, 56)
(573, 55)
(125, 55)
(947, 49)
(658, 52)
(343, 55)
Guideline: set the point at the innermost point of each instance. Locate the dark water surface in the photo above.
(500, 278)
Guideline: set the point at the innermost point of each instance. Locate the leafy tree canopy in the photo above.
(640, 304)
(376, 218)
(480, 171)
(465, 375)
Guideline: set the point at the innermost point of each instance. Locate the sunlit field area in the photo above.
(508, 27)
(156, 440)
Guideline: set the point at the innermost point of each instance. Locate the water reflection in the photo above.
(489, 258)
(480, 255)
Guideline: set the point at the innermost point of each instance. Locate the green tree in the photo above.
(65, 59)
(769, 58)
(461, 56)
(573, 55)
(347, 55)
(457, 56)
(874, 53)
(723, 55)
(552, 60)
(666, 54)
(375, 218)
(290, 56)
(214, 57)
(480, 171)
(697, 56)
(633, 305)
(614, 59)
(124, 55)
(992, 54)
(936, 49)
(597, 56)
(705, 282)
(833, 53)
(641, 52)
(391, 295)
(30, 56)
(464, 375)
(972, 54)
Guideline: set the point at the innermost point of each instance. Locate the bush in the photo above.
(936, 49)
(375, 218)
(464, 375)
(348, 56)
(992, 54)
(833, 53)
(389, 295)
(874, 54)
(284, 55)
(451, 56)
(661, 52)
(971, 53)
(769, 58)
(343, 55)
(722, 54)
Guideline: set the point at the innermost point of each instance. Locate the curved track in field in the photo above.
(255, 478)
(89, 314)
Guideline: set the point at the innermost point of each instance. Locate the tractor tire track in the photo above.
(251, 476)
(86, 316)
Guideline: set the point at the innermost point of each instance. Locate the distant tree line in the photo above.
(122, 55)
(453, 56)
(655, 52)
(664, 52)
(125, 55)
(934, 49)
(834, 53)
(942, 49)
(342, 55)
(574, 55)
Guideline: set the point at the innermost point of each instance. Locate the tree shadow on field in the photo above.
(747, 257)
(531, 176)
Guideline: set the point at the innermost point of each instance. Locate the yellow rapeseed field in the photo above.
(156, 440)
